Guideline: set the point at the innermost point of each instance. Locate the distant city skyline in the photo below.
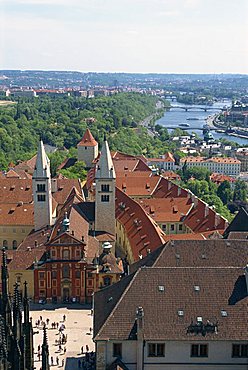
(139, 36)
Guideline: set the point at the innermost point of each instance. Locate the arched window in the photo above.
(65, 272)
(14, 244)
(66, 254)
(5, 244)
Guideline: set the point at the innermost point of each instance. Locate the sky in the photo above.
(159, 36)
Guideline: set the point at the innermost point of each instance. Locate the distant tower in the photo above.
(105, 192)
(87, 149)
(42, 190)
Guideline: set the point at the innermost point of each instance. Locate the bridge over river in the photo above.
(195, 108)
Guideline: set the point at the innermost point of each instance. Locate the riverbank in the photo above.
(242, 135)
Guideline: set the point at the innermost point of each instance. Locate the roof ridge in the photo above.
(119, 301)
(160, 177)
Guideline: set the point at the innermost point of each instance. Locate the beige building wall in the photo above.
(87, 154)
(11, 233)
(122, 242)
(105, 210)
(177, 356)
(20, 276)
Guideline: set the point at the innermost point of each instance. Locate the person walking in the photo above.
(82, 350)
(87, 348)
(51, 360)
(57, 361)
(63, 362)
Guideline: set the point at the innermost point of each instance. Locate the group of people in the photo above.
(89, 361)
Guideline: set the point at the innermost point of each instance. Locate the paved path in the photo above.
(77, 328)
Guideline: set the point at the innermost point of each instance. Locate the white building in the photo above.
(227, 166)
(165, 162)
(179, 317)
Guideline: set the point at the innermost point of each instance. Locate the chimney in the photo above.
(217, 219)
(169, 185)
(82, 238)
(179, 190)
(206, 210)
(36, 243)
(246, 276)
(140, 336)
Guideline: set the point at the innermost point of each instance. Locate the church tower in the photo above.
(42, 190)
(105, 192)
(87, 149)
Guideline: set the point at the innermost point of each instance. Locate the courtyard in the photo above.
(76, 329)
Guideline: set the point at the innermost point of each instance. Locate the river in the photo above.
(174, 117)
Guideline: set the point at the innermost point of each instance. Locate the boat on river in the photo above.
(192, 119)
(183, 125)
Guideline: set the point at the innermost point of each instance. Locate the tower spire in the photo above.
(17, 314)
(42, 166)
(105, 168)
(6, 307)
(45, 351)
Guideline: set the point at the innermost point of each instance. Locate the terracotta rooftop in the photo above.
(210, 160)
(166, 209)
(17, 214)
(218, 178)
(143, 232)
(138, 185)
(88, 139)
(220, 289)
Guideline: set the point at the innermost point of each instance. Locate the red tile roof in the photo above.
(166, 209)
(16, 215)
(218, 178)
(88, 139)
(143, 233)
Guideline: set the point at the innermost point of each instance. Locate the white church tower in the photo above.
(42, 194)
(105, 192)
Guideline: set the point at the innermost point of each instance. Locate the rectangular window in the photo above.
(105, 188)
(199, 350)
(78, 274)
(240, 350)
(41, 275)
(117, 350)
(54, 274)
(41, 187)
(156, 350)
(180, 227)
(41, 198)
(172, 227)
(105, 198)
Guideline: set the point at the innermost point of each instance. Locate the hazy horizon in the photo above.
(125, 36)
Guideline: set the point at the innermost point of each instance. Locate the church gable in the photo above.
(66, 239)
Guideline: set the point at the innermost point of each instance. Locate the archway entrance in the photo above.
(66, 291)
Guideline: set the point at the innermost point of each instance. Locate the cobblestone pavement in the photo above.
(78, 324)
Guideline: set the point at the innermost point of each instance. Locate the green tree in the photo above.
(240, 191)
(77, 171)
(224, 191)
